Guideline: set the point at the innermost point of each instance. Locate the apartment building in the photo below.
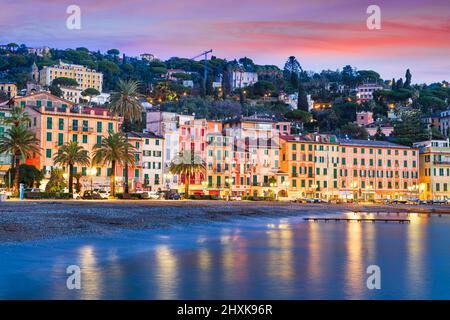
(5, 158)
(167, 124)
(86, 78)
(241, 79)
(365, 91)
(9, 89)
(434, 169)
(328, 168)
(147, 173)
(57, 121)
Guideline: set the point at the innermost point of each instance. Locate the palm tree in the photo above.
(17, 117)
(21, 143)
(69, 155)
(125, 103)
(187, 164)
(113, 150)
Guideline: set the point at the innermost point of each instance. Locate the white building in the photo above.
(365, 91)
(166, 124)
(242, 79)
(71, 93)
(151, 150)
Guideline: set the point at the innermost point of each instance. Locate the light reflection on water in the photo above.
(258, 258)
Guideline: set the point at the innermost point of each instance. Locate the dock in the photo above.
(373, 220)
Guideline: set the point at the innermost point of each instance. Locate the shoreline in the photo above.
(45, 220)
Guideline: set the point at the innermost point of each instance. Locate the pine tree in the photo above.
(302, 101)
(408, 77)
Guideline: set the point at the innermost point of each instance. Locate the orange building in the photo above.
(57, 121)
(328, 168)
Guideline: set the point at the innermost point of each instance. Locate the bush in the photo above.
(47, 195)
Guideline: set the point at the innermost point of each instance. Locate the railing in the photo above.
(81, 129)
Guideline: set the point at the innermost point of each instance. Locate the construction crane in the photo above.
(205, 74)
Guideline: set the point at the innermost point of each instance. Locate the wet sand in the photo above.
(33, 220)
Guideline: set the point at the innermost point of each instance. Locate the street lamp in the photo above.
(92, 172)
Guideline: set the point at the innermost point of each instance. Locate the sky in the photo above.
(322, 34)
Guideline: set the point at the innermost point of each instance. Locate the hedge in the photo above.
(47, 195)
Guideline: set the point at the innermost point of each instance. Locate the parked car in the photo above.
(76, 195)
(91, 195)
(173, 196)
(149, 194)
(103, 193)
(435, 201)
(32, 190)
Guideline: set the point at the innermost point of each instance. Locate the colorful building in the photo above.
(434, 169)
(328, 168)
(57, 121)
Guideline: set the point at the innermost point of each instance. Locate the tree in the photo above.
(410, 129)
(354, 131)
(408, 77)
(302, 100)
(113, 52)
(18, 117)
(56, 182)
(77, 176)
(125, 103)
(292, 71)
(65, 82)
(298, 115)
(399, 84)
(55, 90)
(71, 154)
(29, 175)
(187, 164)
(379, 135)
(113, 150)
(90, 92)
(21, 143)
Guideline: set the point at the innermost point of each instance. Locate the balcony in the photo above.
(81, 129)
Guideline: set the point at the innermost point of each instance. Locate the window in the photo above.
(157, 142)
(60, 139)
(48, 153)
(49, 123)
(75, 138)
(85, 138)
(99, 126)
(99, 139)
(110, 127)
(49, 136)
(60, 124)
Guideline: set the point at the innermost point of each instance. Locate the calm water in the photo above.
(257, 258)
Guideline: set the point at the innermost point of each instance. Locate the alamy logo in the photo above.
(73, 21)
(374, 20)
(374, 280)
(74, 280)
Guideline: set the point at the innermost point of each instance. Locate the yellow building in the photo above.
(434, 159)
(57, 121)
(86, 78)
(9, 88)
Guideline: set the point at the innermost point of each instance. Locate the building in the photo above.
(8, 88)
(71, 94)
(349, 170)
(148, 56)
(86, 78)
(241, 79)
(148, 169)
(5, 159)
(57, 121)
(365, 119)
(434, 169)
(40, 51)
(365, 91)
(167, 124)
